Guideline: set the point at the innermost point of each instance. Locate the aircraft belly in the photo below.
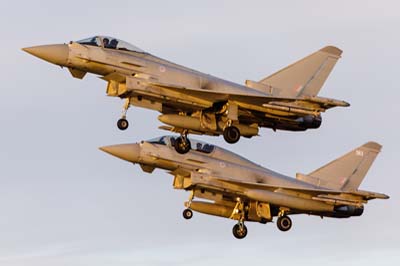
(170, 97)
(285, 200)
(146, 103)
(199, 125)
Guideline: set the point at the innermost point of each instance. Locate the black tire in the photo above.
(122, 124)
(187, 214)
(231, 134)
(182, 145)
(284, 223)
(239, 232)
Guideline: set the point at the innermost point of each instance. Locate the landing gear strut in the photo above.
(284, 223)
(231, 134)
(239, 230)
(188, 213)
(123, 123)
(182, 144)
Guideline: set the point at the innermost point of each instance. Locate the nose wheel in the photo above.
(239, 230)
(182, 144)
(187, 214)
(122, 124)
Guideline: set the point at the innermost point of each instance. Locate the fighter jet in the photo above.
(193, 102)
(233, 187)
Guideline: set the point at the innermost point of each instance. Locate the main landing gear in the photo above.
(284, 223)
(182, 144)
(123, 123)
(239, 230)
(231, 134)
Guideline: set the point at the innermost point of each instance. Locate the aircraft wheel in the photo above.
(231, 134)
(122, 124)
(182, 145)
(187, 214)
(284, 223)
(239, 231)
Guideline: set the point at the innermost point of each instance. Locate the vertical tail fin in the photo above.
(347, 172)
(304, 77)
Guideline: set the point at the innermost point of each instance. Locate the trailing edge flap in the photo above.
(250, 102)
(251, 185)
(312, 191)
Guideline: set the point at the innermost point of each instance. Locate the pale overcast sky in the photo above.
(64, 202)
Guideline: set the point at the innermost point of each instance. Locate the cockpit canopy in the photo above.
(110, 43)
(214, 151)
(195, 144)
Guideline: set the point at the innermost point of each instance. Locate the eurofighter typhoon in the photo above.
(236, 188)
(193, 102)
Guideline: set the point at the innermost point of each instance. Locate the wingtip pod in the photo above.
(373, 146)
(332, 50)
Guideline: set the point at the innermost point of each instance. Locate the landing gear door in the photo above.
(263, 210)
(259, 211)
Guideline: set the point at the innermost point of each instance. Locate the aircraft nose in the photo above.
(53, 53)
(127, 152)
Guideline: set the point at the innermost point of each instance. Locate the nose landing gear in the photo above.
(187, 214)
(122, 123)
(182, 144)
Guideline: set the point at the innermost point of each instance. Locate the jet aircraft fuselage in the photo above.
(237, 188)
(193, 102)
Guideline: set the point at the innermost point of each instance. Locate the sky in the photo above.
(64, 202)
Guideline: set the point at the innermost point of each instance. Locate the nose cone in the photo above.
(54, 53)
(127, 152)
